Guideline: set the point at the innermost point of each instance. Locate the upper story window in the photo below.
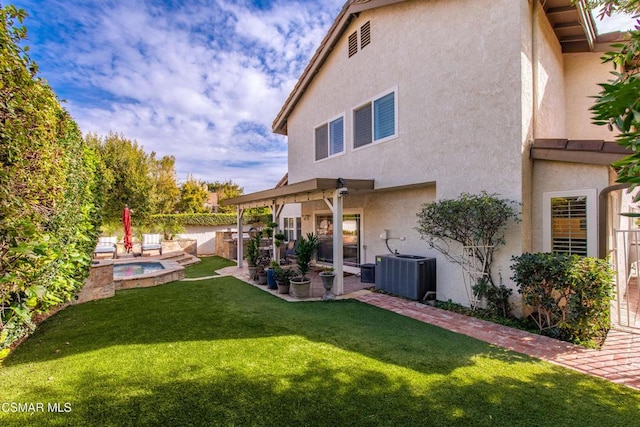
(376, 120)
(329, 138)
(569, 222)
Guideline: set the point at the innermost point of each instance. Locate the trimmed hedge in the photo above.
(208, 219)
(49, 192)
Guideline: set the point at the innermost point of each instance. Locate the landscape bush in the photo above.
(49, 192)
(570, 294)
(477, 223)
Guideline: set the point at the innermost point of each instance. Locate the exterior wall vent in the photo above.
(365, 34)
(353, 43)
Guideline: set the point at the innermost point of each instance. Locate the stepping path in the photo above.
(618, 360)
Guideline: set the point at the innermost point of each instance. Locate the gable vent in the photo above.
(353, 44)
(365, 34)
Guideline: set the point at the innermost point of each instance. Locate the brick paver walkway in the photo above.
(618, 360)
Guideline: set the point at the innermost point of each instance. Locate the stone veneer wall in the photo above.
(145, 282)
(98, 285)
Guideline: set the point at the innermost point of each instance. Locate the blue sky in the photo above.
(201, 80)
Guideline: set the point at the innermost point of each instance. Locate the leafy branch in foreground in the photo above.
(618, 104)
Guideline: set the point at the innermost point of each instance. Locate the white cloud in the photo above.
(202, 81)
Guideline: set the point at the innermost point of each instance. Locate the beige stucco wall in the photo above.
(583, 72)
(549, 176)
(549, 119)
(476, 81)
(459, 119)
(457, 94)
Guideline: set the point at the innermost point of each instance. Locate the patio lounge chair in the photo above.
(151, 242)
(106, 245)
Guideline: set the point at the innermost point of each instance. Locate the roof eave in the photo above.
(350, 9)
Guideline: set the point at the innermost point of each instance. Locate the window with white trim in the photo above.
(329, 138)
(292, 228)
(376, 120)
(570, 222)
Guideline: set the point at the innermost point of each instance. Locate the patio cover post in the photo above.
(240, 213)
(276, 210)
(338, 258)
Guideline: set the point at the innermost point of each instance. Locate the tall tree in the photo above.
(129, 177)
(166, 190)
(225, 190)
(618, 104)
(193, 195)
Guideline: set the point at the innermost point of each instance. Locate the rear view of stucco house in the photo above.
(415, 101)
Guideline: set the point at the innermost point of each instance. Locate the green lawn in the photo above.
(207, 267)
(220, 352)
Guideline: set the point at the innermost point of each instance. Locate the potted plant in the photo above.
(305, 249)
(271, 278)
(263, 262)
(283, 275)
(253, 252)
(328, 276)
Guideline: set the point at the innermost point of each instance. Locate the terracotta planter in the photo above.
(300, 288)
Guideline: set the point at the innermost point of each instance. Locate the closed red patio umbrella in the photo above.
(126, 223)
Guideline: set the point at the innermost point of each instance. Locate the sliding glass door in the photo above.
(350, 238)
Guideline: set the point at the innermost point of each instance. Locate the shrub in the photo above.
(570, 294)
(208, 219)
(305, 250)
(478, 223)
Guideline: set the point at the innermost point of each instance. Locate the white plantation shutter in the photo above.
(569, 225)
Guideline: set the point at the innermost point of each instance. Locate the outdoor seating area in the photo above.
(106, 245)
(150, 242)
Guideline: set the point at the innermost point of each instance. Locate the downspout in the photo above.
(603, 209)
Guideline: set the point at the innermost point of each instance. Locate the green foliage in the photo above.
(128, 172)
(193, 195)
(207, 219)
(50, 192)
(225, 190)
(570, 294)
(497, 296)
(618, 104)
(478, 224)
(283, 275)
(253, 250)
(165, 185)
(305, 250)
